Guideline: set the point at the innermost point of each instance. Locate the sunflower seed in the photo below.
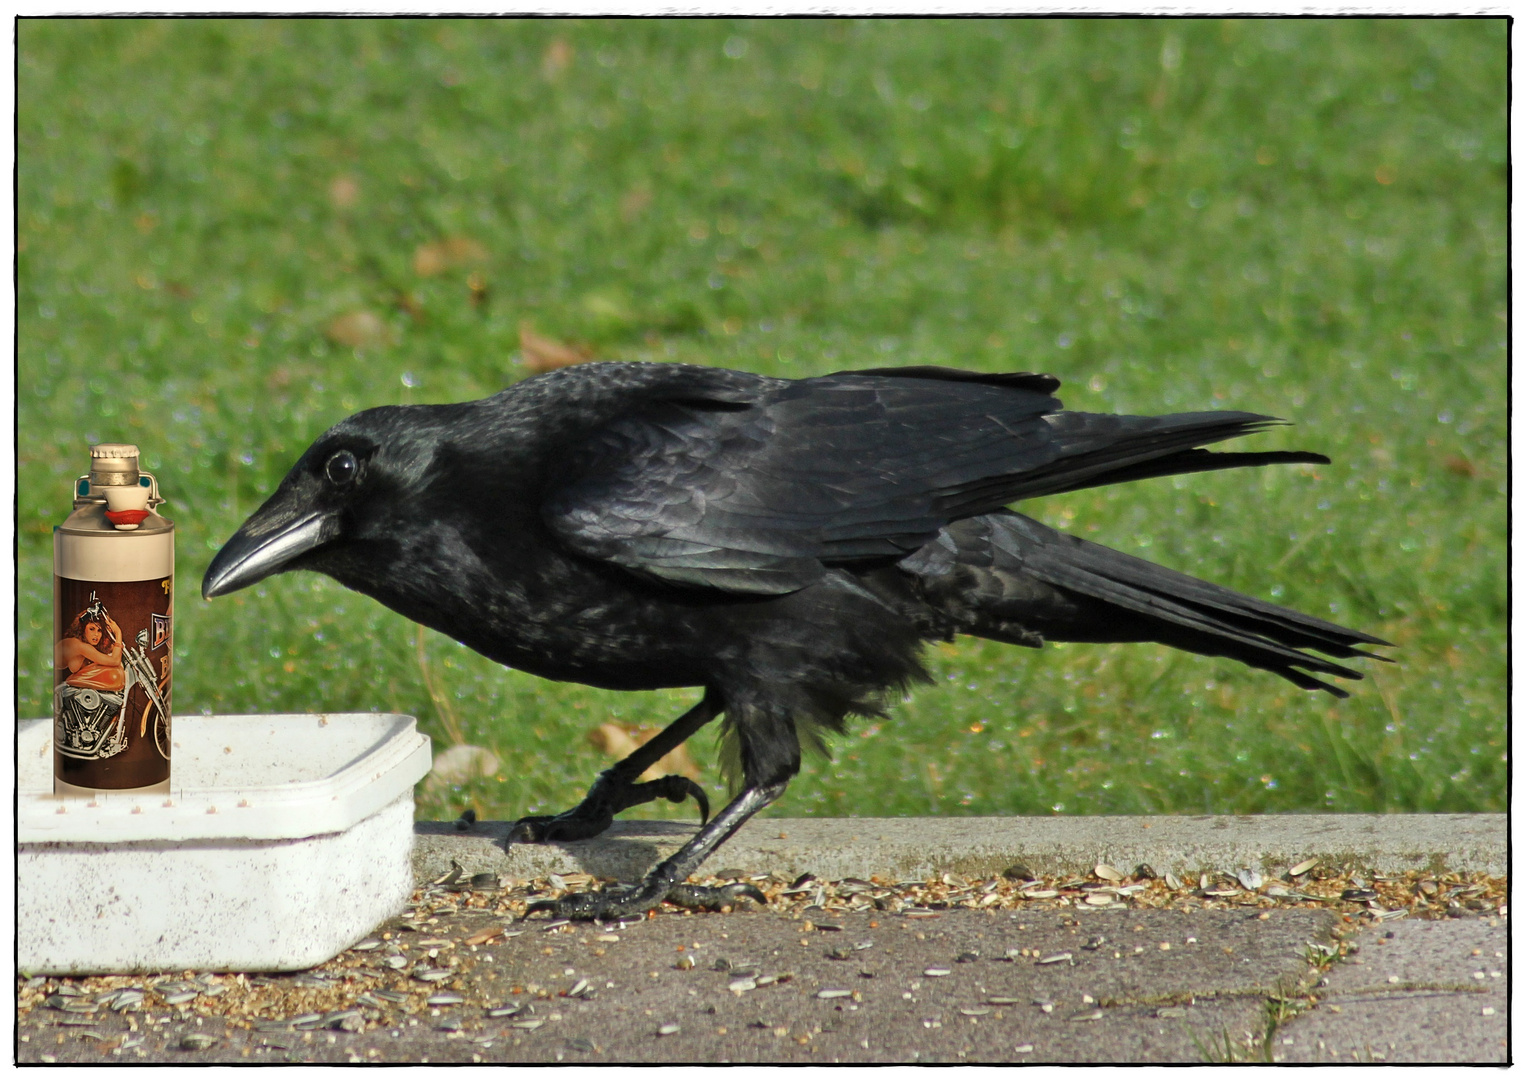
(397, 997)
(1086, 1014)
(446, 998)
(1251, 879)
(57, 1001)
(367, 945)
(345, 1020)
(526, 1025)
(555, 924)
(306, 1021)
(668, 1029)
(828, 994)
(449, 1023)
(432, 974)
(1172, 881)
(741, 986)
(180, 997)
(977, 1011)
(937, 973)
(1396, 913)
(840, 953)
(1302, 868)
(1040, 894)
(967, 958)
(1106, 872)
(1358, 895)
(1056, 958)
(196, 1041)
(370, 1000)
(504, 1010)
(1171, 1012)
(125, 1000)
(396, 963)
(1099, 899)
(860, 946)
(994, 1000)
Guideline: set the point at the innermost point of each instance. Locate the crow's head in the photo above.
(341, 493)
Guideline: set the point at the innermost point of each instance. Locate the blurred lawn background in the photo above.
(231, 234)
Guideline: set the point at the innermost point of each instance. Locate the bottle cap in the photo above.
(114, 465)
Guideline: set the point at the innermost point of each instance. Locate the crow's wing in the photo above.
(758, 497)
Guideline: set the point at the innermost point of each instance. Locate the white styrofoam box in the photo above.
(282, 841)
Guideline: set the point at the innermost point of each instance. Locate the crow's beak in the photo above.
(266, 544)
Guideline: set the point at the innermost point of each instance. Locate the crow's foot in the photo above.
(608, 796)
(634, 901)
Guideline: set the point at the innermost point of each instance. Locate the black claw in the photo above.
(677, 788)
(606, 798)
(713, 898)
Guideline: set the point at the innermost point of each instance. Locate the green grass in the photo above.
(1300, 217)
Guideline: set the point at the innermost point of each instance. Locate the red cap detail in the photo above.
(126, 517)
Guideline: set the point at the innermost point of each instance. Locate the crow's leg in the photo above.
(666, 879)
(616, 788)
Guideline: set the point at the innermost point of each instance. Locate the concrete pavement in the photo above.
(1392, 948)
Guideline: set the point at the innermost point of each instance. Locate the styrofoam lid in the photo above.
(283, 776)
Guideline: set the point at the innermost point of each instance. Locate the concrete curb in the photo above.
(904, 848)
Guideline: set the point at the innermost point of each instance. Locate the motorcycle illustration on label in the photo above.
(94, 705)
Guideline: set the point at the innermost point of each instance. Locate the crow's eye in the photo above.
(341, 467)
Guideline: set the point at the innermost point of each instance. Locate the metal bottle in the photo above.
(113, 609)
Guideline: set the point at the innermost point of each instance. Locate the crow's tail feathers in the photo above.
(1024, 582)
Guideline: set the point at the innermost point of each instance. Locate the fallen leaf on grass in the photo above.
(544, 354)
(442, 255)
(557, 59)
(460, 763)
(357, 329)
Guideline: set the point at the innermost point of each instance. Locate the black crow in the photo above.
(787, 545)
